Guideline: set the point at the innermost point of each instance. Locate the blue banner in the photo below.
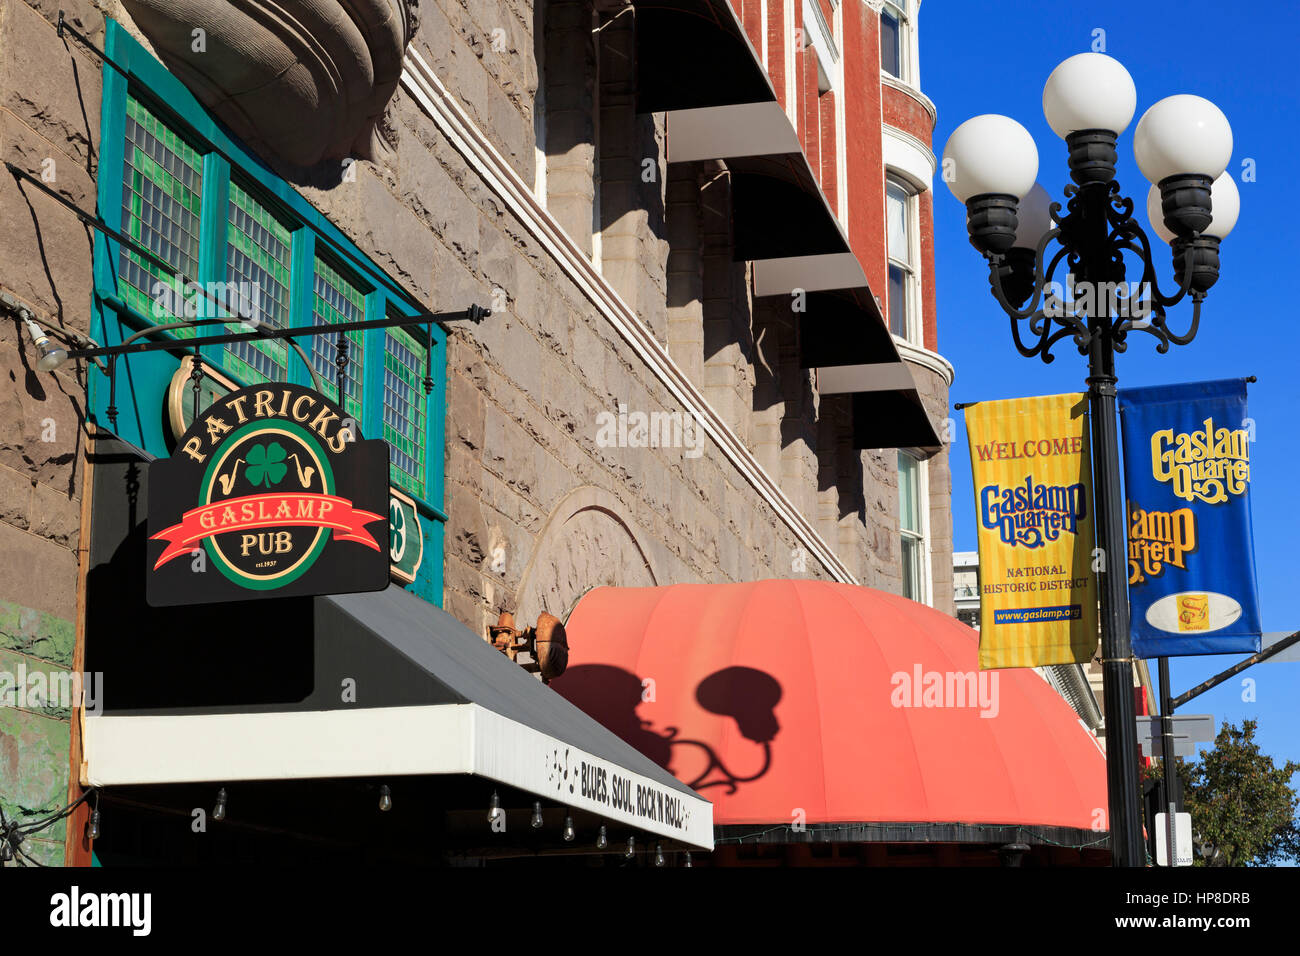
(1191, 550)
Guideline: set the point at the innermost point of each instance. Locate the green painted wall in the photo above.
(34, 740)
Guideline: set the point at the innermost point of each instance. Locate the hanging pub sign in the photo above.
(1191, 549)
(405, 526)
(271, 492)
(1033, 498)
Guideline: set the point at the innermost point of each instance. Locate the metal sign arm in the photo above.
(1235, 669)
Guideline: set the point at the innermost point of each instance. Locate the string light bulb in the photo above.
(569, 832)
(659, 854)
(385, 799)
(494, 808)
(631, 847)
(688, 863)
(219, 811)
(92, 828)
(537, 820)
(602, 841)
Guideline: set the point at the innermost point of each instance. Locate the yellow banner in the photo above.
(1033, 504)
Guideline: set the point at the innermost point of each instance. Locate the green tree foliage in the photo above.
(1242, 805)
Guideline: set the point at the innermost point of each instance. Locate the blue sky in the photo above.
(986, 57)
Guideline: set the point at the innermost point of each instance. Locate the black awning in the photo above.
(696, 63)
(256, 690)
(892, 420)
(779, 211)
(694, 53)
(843, 327)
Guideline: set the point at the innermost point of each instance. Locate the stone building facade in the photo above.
(527, 160)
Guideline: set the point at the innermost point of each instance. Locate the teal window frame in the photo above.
(143, 379)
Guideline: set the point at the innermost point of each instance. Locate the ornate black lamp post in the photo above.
(1182, 145)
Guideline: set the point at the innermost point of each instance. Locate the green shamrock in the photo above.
(266, 464)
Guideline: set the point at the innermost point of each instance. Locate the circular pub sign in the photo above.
(270, 492)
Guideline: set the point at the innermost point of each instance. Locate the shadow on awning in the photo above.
(356, 685)
(894, 419)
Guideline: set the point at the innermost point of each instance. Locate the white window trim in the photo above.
(818, 34)
(908, 46)
(830, 64)
(841, 130)
(596, 244)
(926, 595)
(913, 319)
(539, 106)
(927, 548)
(907, 158)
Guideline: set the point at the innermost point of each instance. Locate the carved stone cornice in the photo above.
(301, 80)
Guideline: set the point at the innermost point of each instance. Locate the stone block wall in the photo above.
(49, 125)
(527, 389)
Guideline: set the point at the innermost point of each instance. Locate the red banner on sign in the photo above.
(267, 511)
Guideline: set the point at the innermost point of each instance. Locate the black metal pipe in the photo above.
(1125, 818)
(1172, 790)
(423, 315)
(96, 223)
(1235, 669)
(474, 313)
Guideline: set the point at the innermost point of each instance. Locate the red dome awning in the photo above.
(847, 703)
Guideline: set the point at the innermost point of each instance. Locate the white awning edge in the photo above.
(876, 377)
(721, 132)
(834, 270)
(124, 750)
